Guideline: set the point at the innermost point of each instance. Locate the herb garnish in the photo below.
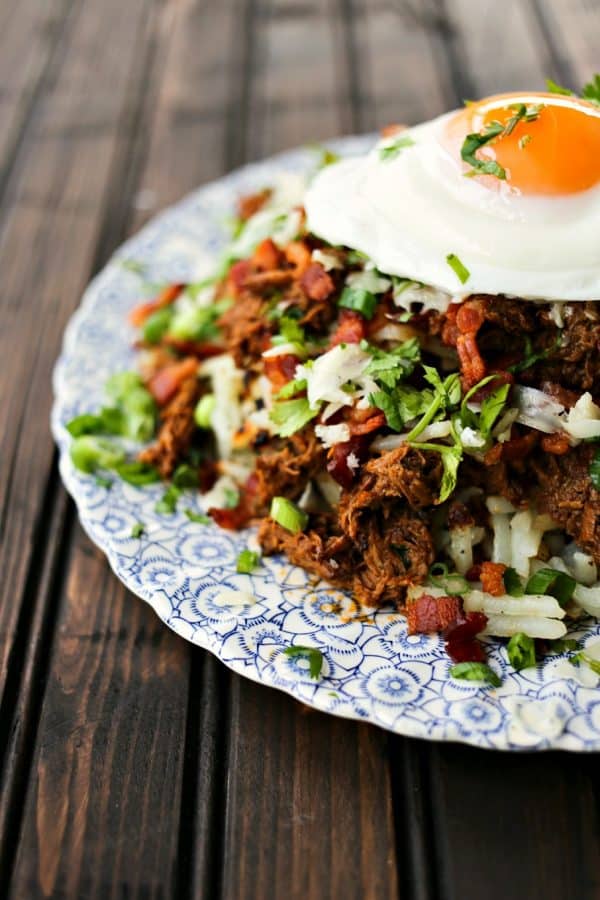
(458, 267)
(553, 583)
(393, 150)
(138, 530)
(314, 656)
(595, 470)
(475, 671)
(521, 651)
(199, 518)
(247, 561)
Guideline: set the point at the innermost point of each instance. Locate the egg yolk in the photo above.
(554, 148)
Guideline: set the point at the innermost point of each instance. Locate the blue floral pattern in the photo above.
(186, 571)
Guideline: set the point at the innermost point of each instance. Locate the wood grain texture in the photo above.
(308, 804)
(104, 765)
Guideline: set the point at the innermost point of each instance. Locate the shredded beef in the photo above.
(176, 430)
(326, 554)
(246, 330)
(285, 466)
(563, 489)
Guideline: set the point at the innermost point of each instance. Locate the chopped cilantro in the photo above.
(553, 88)
(359, 300)
(199, 518)
(185, 476)
(523, 141)
(292, 415)
(475, 671)
(563, 645)
(297, 386)
(394, 149)
(314, 656)
(591, 91)
(138, 530)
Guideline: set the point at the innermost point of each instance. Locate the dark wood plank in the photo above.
(32, 34)
(504, 819)
(126, 822)
(308, 804)
(102, 810)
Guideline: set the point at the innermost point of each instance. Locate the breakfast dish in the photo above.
(390, 380)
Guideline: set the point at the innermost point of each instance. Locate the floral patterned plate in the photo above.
(187, 572)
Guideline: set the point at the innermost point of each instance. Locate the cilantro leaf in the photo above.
(553, 88)
(200, 518)
(475, 671)
(393, 150)
(292, 415)
(591, 91)
(314, 656)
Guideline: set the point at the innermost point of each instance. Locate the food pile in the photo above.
(427, 446)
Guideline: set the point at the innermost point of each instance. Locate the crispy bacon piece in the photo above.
(199, 349)
(273, 278)
(351, 329)
(299, 255)
(492, 578)
(236, 278)
(556, 443)
(461, 638)
(474, 572)
(316, 283)
(470, 317)
(267, 256)
(280, 369)
(252, 203)
(427, 613)
(337, 459)
(515, 449)
(233, 519)
(143, 311)
(364, 421)
(472, 366)
(165, 383)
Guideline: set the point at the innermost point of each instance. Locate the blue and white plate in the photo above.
(187, 572)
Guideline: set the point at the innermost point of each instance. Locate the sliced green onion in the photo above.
(204, 410)
(475, 671)
(138, 530)
(521, 651)
(168, 502)
(86, 423)
(584, 657)
(135, 403)
(247, 561)
(459, 269)
(552, 582)
(512, 583)
(594, 470)
(288, 515)
(89, 453)
(359, 300)
(156, 325)
(137, 473)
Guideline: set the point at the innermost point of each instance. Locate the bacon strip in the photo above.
(143, 311)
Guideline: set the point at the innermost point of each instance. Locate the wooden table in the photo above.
(134, 765)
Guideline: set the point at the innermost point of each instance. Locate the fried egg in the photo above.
(501, 197)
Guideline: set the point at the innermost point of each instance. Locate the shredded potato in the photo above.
(534, 626)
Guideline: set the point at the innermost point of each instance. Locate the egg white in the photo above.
(407, 214)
